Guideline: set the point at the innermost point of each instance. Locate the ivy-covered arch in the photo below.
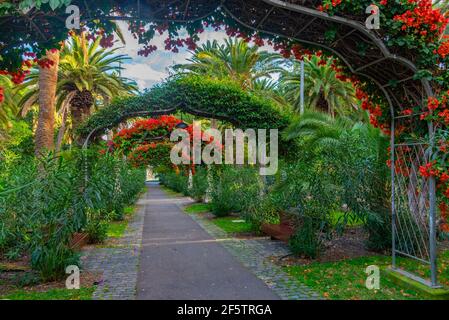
(222, 100)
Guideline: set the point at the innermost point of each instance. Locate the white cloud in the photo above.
(147, 71)
(144, 74)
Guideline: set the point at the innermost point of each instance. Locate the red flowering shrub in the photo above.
(151, 154)
(423, 20)
(144, 131)
(147, 143)
(439, 168)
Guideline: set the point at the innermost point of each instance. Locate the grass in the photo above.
(198, 208)
(117, 229)
(345, 280)
(54, 294)
(129, 211)
(424, 271)
(339, 217)
(229, 225)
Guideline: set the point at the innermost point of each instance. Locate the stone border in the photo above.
(118, 263)
(257, 255)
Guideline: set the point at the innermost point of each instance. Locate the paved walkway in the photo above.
(180, 260)
(118, 263)
(167, 254)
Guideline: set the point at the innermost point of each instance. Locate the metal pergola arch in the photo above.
(390, 69)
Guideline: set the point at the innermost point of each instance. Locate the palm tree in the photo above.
(8, 102)
(318, 129)
(323, 90)
(269, 89)
(89, 76)
(47, 83)
(235, 60)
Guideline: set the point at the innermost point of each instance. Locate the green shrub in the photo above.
(260, 212)
(379, 231)
(199, 185)
(97, 225)
(52, 259)
(178, 182)
(43, 202)
(235, 189)
(307, 241)
(223, 191)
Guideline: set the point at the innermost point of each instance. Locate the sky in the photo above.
(147, 71)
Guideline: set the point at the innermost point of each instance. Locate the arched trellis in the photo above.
(390, 69)
(221, 100)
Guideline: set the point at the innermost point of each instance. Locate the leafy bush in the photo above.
(361, 160)
(199, 185)
(178, 182)
(97, 225)
(234, 189)
(52, 259)
(262, 211)
(345, 169)
(45, 201)
(307, 241)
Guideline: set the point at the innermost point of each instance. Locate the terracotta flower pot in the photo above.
(78, 241)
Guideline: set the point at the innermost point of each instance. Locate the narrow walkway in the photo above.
(180, 260)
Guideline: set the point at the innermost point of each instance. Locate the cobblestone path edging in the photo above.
(118, 263)
(256, 255)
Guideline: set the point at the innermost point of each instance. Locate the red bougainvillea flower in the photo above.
(433, 103)
(444, 177)
(445, 227)
(443, 50)
(407, 112)
(154, 127)
(428, 170)
(423, 20)
(444, 212)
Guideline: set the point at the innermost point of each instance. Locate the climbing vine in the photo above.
(223, 100)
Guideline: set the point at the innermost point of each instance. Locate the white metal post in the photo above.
(302, 88)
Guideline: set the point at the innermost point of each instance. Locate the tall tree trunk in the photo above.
(48, 78)
(80, 108)
(322, 105)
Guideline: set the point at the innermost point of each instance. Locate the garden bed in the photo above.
(349, 245)
(19, 282)
(233, 224)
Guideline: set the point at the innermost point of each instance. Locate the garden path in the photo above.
(180, 260)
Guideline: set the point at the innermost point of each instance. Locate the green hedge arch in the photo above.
(204, 97)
